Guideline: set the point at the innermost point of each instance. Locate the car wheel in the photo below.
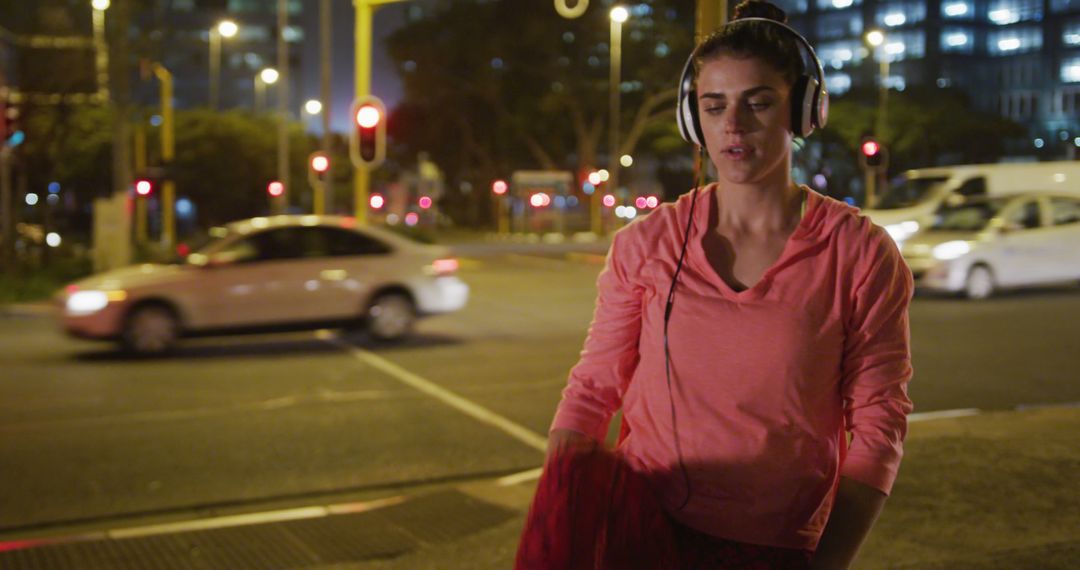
(980, 283)
(150, 330)
(391, 316)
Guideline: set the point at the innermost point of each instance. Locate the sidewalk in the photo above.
(994, 491)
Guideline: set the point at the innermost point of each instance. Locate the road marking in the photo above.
(943, 414)
(467, 407)
(518, 478)
(211, 523)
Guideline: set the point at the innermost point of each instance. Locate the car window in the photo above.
(972, 215)
(240, 251)
(280, 244)
(1026, 217)
(345, 243)
(973, 187)
(908, 192)
(1065, 211)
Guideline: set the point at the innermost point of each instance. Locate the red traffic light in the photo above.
(424, 202)
(368, 116)
(499, 187)
(144, 187)
(275, 189)
(870, 148)
(377, 201)
(320, 163)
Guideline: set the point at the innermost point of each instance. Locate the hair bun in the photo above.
(759, 9)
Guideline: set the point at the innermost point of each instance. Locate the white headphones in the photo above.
(809, 98)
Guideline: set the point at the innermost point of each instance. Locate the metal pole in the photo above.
(168, 151)
(282, 107)
(215, 66)
(711, 14)
(7, 208)
(327, 188)
(614, 91)
(883, 97)
(101, 56)
(260, 95)
(361, 176)
(141, 231)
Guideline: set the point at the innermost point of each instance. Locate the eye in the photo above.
(758, 106)
(715, 109)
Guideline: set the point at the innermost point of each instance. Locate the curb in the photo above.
(40, 309)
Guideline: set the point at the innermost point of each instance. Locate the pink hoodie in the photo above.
(765, 381)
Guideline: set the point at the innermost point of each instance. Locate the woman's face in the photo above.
(745, 116)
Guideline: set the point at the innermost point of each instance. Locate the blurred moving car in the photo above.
(984, 244)
(910, 202)
(271, 273)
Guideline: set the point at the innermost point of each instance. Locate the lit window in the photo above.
(1004, 16)
(1009, 44)
(956, 9)
(895, 19)
(836, 4)
(893, 14)
(955, 40)
(838, 83)
(1070, 71)
(1003, 12)
(1014, 40)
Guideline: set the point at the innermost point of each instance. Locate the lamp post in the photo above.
(311, 107)
(876, 38)
(101, 51)
(618, 16)
(267, 76)
(224, 29)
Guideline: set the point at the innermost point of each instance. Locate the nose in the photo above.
(734, 119)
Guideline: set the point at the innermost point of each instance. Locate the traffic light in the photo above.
(367, 137)
(275, 189)
(873, 153)
(11, 133)
(318, 168)
(499, 187)
(144, 187)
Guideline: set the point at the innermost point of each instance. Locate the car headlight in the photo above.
(86, 302)
(903, 230)
(951, 250)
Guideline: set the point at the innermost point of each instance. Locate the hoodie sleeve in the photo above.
(877, 362)
(599, 379)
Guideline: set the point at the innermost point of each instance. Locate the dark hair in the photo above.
(761, 40)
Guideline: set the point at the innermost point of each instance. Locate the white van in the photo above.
(911, 203)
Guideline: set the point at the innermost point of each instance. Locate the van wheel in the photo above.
(980, 283)
(151, 330)
(391, 316)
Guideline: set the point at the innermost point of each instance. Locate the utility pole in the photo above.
(282, 107)
(711, 14)
(121, 105)
(168, 151)
(326, 190)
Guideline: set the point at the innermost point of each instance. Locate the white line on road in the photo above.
(467, 407)
(942, 414)
(518, 478)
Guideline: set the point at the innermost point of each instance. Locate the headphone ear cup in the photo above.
(802, 106)
(687, 112)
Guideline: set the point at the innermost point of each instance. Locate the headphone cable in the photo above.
(698, 181)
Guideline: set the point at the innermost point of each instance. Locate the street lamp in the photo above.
(100, 5)
(618, 16)
(876, 39)
(224, 29)
(267, 76)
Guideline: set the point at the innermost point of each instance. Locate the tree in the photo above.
(503, 85)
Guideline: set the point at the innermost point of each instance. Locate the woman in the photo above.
(754, 335)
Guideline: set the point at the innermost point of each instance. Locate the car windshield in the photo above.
(908, 192)
(967, 216)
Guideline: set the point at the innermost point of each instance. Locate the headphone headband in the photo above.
(809, 97)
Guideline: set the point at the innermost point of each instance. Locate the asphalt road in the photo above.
(88, 436)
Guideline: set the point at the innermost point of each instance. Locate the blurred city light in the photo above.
(652, 201)
(268, 75)
(53, 199)
(377, 201)
(275, 189)
(313, 107)
(1039, 143)
(424, 202)
(626, 160)
(54, 188)
(540, 200)
(499, 187)
(640, 202)
(619, 14)
(875, 38)
(588, 188)
(412, 218)
(53, 239)
(156, 120)
(31, 199)
(143, 187)
(594, 178)
(604, 174)
(320, 163)
(227, 28)
(609, 200)
(184, 208)
(100, 5)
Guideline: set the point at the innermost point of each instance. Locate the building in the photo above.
(1019, 59)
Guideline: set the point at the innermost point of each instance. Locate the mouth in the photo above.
(738, 151)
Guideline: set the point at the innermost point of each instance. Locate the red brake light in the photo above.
(445, 266)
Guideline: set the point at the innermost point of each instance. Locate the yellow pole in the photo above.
(140, 168)
(711, 14)
(168, 150)
(365, 12)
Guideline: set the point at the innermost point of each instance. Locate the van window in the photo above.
(909, 192)
(1065, 211)
(973, 187)
(1027, 217)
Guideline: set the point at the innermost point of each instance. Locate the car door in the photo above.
(1065, 233)
(252, 281)
(353, 266)
(1025, 251)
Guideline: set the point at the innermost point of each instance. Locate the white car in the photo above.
(984, 244)
(273, 273)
